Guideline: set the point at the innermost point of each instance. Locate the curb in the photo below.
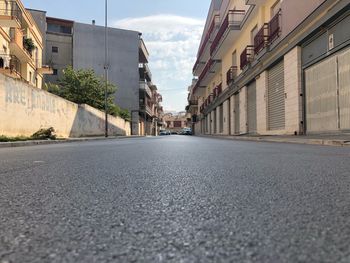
(323, 142)
(48, 142)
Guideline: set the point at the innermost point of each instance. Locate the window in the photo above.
(55, 72)
(30, 76)
(54, 49)
(177, 124)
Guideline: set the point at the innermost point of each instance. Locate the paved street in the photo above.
(174, 199)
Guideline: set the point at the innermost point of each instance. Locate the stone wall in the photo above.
(25, 109)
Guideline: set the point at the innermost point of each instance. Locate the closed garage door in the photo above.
(251, 107)
(344, 89)
(236, 112)
(275, 98)
(321, 96)
(328, 94)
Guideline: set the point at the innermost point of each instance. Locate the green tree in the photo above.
(84, 87)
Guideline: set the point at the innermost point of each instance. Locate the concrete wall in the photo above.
(63, 58)
(25, 109)
(243, 111)
(261, 103)
(301, 9)
(292, 85)
(123, 58)
(226, 112)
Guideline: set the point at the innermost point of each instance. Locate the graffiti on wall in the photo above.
(30, 98)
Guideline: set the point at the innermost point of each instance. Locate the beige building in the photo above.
(21, 45)
(273, 67)
(175, 122)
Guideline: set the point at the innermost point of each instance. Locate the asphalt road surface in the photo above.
(174, 199)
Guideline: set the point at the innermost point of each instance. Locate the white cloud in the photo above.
(173, 43)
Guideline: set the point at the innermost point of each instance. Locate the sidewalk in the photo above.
(59, 141)
(327, 140)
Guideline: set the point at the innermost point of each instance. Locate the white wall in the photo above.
(25, 109)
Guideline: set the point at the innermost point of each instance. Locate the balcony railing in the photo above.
(193, 102)
(233, 18)
(13, 68)
(274, 27)
(217, 91)
(231, 75)
(206, 40)
(247, 56)
(261, 38)
(206, 69)
(10, 14)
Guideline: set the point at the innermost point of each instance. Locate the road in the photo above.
(174, 199)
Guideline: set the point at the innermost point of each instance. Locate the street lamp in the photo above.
(106, 68)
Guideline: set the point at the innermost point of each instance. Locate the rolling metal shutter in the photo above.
(275, 97)
(344, 89)
(251, 107)
(321, 96)
(236, 112)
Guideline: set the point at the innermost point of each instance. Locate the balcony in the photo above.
(13, 70)
(10, 14)
(204, 50)
(261, 39)
(227, 33)
(193, 102)
(16, 46)
(274, 27)
(231, 74)
(143, 52)
(217, 91)
(45, 70)
(247, 56)
(145, 72)
(208, 72)
(145, 88)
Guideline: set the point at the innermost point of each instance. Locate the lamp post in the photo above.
(106, 68)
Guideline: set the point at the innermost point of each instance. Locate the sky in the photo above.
(171, 30)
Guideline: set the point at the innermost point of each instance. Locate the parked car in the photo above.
(168, 133)
(163, 132)
(186, 131)
(174, 133)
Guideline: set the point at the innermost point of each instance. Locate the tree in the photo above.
(84, 87)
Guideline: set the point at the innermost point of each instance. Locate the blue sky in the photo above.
(171, 30)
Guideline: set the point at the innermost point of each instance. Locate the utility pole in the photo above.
(106, 67)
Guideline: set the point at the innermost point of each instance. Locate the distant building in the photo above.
(82, 46)
(21, 44)
(175, 122)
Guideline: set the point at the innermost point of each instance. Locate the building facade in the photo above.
(273, 67)
(21, 44)
(175, 122)
(82, 46)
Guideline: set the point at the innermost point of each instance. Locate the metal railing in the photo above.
(247, 56)
(274, 27)
(193, 102)
(206, 69)
(231, 75)
(261, 39)
(233, 18)
(11, 9)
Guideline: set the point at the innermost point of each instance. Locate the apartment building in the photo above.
(150, 104)
(82, 46)
(273, 67)
(175, 122)
(21, 44)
